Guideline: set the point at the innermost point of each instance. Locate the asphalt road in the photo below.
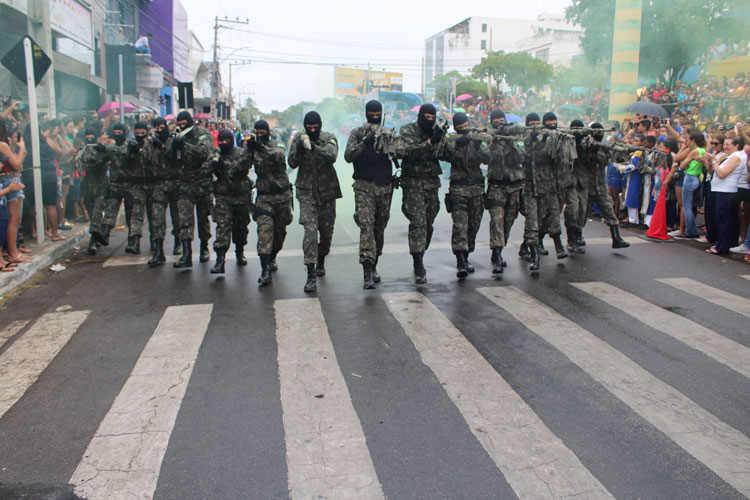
(598, 377)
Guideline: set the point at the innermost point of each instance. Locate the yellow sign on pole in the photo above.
(358, 82)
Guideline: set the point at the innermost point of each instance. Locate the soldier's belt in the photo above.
(276, 190)
(505, 182)
(467, 182)
(424, 177)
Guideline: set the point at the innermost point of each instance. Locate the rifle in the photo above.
(442, 124)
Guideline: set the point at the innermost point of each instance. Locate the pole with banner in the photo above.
(35, 157)
(122, 101)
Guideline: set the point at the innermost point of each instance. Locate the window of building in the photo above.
(484, 44)
(484, 27)
(542, 55)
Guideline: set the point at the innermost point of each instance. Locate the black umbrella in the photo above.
(647, 108)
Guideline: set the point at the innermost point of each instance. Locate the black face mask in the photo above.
(425, 124)
(119, 139)
(550, 126)
(225, 148)
(264, 138)
(462, 131)
(163, 134)
(91, 141)
(140, 138)
(314, 136)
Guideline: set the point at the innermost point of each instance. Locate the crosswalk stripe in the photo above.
(534, 461)
(124, 457)
(326, 452)
(26, 359)
(720, 447)
(719, 297)
(724, 350)
(746, 276)
(11, 329)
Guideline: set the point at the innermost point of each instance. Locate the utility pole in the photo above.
(215, 69)
(40, 30)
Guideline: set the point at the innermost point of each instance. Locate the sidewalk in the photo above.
(43, 256)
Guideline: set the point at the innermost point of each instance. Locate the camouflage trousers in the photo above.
(372, 209)
(232, 220)
(173, 213)
(95, 205)
(576, 203)
(134, 208)
(318, 220)
(420, 205)
(531, 216)
(503, 204)
(545, 209)
(598, 193)
(466, 212)
(190, 207)
(273, 213)
(156, 199)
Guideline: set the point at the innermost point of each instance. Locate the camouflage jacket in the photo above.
(507, 155)
(466, 161)
(190, 159)
(541, 169)
(231, 172)
(369, 165)
(419, 156)
(270, 167)
(124, 162)
(93, 164)
(316, 177)
(156, 160)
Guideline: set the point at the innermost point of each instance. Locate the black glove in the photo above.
(437, 135)
(179, 142)
(254, 146)
(477, 143)
(133, 146)
(157, 142)
(463, 141)
(100, 147)
(369, 140)
(300, 145)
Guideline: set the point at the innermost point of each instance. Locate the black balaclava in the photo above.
(120, 138)
(223, 136)
(532, 117)
(598, 137)
(163, 135)
(459, 119)
(576, 124)
(313, 118)
(496, 113)
(88, 132)
(263, 125)
(373, 107)
(140, 126)
(425, 124)
(185, 115)
(549, 116)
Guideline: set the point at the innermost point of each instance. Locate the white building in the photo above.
(555, 40)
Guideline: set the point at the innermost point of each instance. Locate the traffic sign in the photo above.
(15, 61)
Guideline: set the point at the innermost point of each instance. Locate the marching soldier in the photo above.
(91, 161)
(314, 152)
(157, 174)
(136, 189)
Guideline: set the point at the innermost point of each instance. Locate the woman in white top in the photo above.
(726, 176)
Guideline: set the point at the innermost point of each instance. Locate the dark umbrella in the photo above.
(647, 108)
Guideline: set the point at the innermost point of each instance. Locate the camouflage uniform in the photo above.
(273, 204)
(466, 193)
(317, 191)
(124, 164)
(157, 174)
(373, 191)
(420, 180)
(93, 164)
(232, 189)
(505, 179)
(576, 195)
(193, 185)
(594, 161)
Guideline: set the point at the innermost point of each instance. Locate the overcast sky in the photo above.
(388, 33)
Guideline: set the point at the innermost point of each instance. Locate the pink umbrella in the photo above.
(115, 106)
(202, 116)
(415, 108)
(170, 116)
(463, 97)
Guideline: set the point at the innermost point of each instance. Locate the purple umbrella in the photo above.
(463, 97)
(115, 106)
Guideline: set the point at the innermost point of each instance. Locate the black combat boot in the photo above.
(272, 264)
(497, 261)
(187, 255)
(219, 267)
(469, 267)
(462, 272)
(581, 242)
(205, 255)
(367, 267)
(420, 273)
(573, 241)
(239, 251)
(540, 247)
(524, 252)
(129, 246)
(265, 270)
(136, 247)
(102, 237)
(177, 250)
(320, 269)
(535, 258)
(92, 245)
(311, 284)
(617, 241)
(559, 248)
(158, 257)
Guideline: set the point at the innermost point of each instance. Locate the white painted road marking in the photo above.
(534, 461)
(326, 451)
(26, 359)
(724, 350)
(124, 457)
(719, 297)
(11, 329)
(720, 447)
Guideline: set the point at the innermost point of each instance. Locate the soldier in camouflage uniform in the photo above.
(504, 187)
(157, 166)
(315, 153)
(373, 191)
(91, 161)
(576, 199)
(189, 150)
(136, 190)
(124, 161)
(273, 203)
(232, 191)
(465, 198)
(420, 180)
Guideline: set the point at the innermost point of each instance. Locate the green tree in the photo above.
(519, 70)
(464, 85)
(673, 35)
(579, 74)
